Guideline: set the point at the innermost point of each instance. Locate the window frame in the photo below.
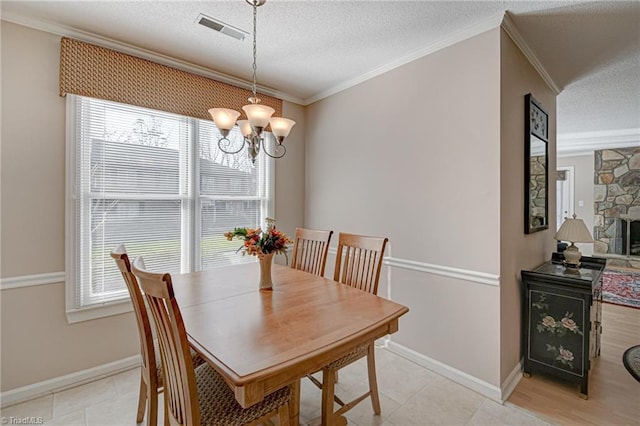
(190, 227)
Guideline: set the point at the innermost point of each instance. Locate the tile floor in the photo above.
(410, 395)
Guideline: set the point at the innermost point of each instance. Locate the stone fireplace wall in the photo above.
(616, 192)
(538, 190)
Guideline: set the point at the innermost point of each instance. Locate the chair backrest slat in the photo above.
(181, 396)
(310, 250)
(119, 254)
(359, 261)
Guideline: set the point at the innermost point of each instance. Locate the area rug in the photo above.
(621, 287)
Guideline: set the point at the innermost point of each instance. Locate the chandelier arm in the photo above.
(227, 142)
(279, 147)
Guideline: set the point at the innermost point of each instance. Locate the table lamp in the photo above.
(574, 231)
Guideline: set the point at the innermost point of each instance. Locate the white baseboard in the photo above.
(15, 396)
(509, 385)
(490, 391)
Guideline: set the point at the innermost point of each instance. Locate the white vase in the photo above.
(266, 260)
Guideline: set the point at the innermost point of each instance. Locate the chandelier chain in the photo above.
(255, 66)
(258, 116)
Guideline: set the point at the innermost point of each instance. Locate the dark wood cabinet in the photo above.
(562, 319)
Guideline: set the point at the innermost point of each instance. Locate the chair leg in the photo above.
(294, 403)
(283, 415)
(373, 381)
(142, 399)
(152, 414)
(328, 390)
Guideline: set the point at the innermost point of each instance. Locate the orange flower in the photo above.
(257, 242)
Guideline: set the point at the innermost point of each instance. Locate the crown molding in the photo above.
(570, 144)
(499, 20)
(451, 39)
(65, 31)
(509, 26)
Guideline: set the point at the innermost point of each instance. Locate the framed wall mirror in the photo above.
(536, 166)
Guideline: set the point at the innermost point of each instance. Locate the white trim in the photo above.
(571, 208)
(449, 40)
(486, 389)
(15, 396)
(62, 30)
(32, 280)
(129, 49)
(69, 203)
(509, 26)
(501, 19)
(512, 380)
(582, 143)
(98, 311)
(445, 271)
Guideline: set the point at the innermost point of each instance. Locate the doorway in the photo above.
(564, 194)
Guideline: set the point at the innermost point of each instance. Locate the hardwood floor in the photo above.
(614, 395)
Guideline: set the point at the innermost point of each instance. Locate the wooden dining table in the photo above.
(261, 341)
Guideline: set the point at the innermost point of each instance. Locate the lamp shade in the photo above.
(245, 128)
(224, 118)
(258, 115)
(574, 230)
(281, 126)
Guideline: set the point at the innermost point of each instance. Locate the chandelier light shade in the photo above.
(281, 127)
(258, 116)
(245, 128)
(224, 118)
(575, 231)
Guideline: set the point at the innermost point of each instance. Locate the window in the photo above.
(158, 183)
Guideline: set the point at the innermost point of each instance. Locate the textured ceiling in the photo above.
(308, 48)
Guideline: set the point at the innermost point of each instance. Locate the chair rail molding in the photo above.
(32, 280)
(446, 271)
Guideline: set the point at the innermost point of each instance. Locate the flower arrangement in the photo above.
(258, 242)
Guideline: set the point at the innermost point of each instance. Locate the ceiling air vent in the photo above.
(221, 27)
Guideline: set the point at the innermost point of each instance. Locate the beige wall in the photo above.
(444, 181)
(518, 250)
(414, 155)
(289, 204)
(34, 323)
(583, 168)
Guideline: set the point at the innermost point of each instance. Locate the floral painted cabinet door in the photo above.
(561, 324)
(558, 339)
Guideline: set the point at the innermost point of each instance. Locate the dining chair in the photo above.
(310, 250)
(196, 396)
(358, 264)
(151, 371)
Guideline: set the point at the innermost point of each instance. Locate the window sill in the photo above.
(99, 311)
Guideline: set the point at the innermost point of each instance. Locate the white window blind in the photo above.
(158, 183)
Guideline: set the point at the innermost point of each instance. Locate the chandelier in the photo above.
(258, 117)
